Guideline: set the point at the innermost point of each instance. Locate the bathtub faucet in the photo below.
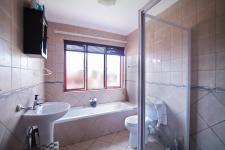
(93, 102)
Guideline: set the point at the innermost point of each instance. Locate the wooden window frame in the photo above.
(65, 75)
(86, 68)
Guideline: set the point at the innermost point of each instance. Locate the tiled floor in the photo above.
(117, 141)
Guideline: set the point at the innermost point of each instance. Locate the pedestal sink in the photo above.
(44, 116)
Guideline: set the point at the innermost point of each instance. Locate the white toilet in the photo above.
(155, 114)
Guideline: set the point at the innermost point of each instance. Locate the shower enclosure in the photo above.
(164, 74)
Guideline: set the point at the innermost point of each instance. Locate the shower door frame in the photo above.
(142, 13)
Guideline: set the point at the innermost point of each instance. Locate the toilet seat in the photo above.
(133, 120)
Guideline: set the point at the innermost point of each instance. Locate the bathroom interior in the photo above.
(112, 74)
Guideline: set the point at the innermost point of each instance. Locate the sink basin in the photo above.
(44, 116)
(47, 112)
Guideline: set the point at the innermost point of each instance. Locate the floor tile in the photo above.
(124, 133)
(108, 138)
(84, 145)
(70, 147)
(99, 146)
(120, 141)
(114, 147)
(115, 141)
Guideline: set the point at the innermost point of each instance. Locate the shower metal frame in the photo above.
(142, 13)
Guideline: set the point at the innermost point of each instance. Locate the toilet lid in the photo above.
(133, 120)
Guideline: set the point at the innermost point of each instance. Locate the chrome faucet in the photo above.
(20, 107)
(36, 103)
(93, 102)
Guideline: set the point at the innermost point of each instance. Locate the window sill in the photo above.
(96, 90)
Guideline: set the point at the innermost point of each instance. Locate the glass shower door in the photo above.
(163, 80)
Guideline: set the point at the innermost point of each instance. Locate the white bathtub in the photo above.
(76, 113)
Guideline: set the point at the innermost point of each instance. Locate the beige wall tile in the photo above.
(220, 23)
(132, 91)
(166, 66)
(205, 28)
(177, 78)
(17, 8)
(10, 142)
(188, 8)
(16, 58)
(23, 61)
(211, 110)
(206, 62)
(197, 123)
(2, 131)
(204, 45)
(16, 78)
(220, 96)
(17, 37)
(220, 43)
(205, 10)
(5, 50)
(206, 78)
(189, 21)
(197, 94)
(208, 140)
(5, 5)
(176, 65)
(5, 78)
(220, 78)
(5, 23)
(220, 61)
(220, 4)
(219, 129)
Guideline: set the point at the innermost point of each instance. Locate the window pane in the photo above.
(113, 71)
(95, 71)
(74, 70)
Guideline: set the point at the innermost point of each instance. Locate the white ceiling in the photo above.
(120, 18)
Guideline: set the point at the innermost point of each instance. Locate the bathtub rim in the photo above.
(130, 107)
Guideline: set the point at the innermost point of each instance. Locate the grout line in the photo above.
(201, 98)
(217, 136)
(11, 132)
(164, 84)
(216, 89)
(7, 93)
(208, 126)
(131, 81)
(217, 123)
(213, 93)
(53, 82)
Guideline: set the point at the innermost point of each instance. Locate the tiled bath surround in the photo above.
(205, 18)
(88, 128)
(20, 76)
(55, 62)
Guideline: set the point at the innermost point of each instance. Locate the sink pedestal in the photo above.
(46, 131)
(44, 116)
